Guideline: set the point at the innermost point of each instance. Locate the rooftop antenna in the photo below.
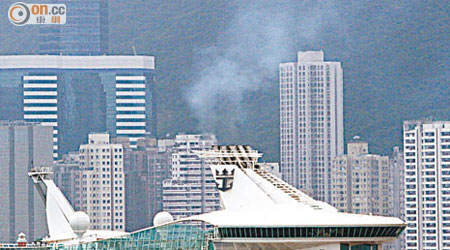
(134, 50)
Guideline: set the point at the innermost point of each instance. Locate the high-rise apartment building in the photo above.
(360, 181)
(311, 121)
(136, 183)
(86, 31)
(159, 169)
(396, 194)
(101, 186)
(191, 189)
(65, 174)
(427, 184)
(80, 94)
(397, 183)
(22, 146)
(145, 168)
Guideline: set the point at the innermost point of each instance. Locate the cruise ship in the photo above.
(259, 212)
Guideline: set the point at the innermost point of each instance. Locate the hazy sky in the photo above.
(217, 61)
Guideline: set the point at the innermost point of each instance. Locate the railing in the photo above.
(290, 190)
(35, 246)
(167, 237)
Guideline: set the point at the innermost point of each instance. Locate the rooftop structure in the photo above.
(76, 62)
(77, 95)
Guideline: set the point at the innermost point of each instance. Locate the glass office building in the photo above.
(85, 32)
(78, 95)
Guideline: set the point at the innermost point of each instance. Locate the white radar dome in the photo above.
(162, 218)
(79, 222)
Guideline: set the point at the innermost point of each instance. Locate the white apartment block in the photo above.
(101, 186)
(427, 184)
(192, 189)
(311, 121)
(360, 181)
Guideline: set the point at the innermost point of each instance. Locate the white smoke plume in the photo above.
(246, 58)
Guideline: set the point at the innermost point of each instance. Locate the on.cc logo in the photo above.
(19, 14)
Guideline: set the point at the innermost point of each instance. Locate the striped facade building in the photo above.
(40, 103)
(79, 95)
(130, 107)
